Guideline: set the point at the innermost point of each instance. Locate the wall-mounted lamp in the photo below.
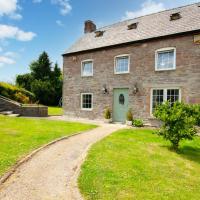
(135, 89)
(104, 89)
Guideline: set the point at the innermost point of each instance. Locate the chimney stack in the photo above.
(89, 26)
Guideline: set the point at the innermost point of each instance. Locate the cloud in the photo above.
(13, 32)
(10, 8)
(15, 16)
(65, 6)
(11, 54)
(59, 23)
(147, 7)
(4, 60)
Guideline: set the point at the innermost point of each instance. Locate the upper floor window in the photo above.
(122, 63)
(165, 59)
(87, 68)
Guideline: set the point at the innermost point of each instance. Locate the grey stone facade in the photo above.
(186, 76)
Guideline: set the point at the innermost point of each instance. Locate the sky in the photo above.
(29, 27)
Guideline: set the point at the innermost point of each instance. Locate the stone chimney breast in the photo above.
(89, 26)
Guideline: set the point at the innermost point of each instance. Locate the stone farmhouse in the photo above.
(137, 64)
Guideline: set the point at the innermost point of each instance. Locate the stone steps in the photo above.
(9, 114)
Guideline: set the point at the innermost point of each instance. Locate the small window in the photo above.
(161, 95)
(87, 68)
(165, 59)
(175, 16)
(86, 101)
(132, 26)
(122, 64)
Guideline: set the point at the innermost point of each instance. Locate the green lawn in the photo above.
(139, 165)
(19, 136)
(55, 110)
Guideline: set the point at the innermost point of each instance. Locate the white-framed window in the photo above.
(165, 59)
(160, 95)
(122, 64)
(87, 68)
(86, 101)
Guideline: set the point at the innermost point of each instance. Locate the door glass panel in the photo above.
(121, 99)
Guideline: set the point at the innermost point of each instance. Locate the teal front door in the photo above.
(120, 105)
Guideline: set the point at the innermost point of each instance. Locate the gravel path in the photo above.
(52, 173)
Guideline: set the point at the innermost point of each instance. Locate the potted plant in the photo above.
(107, 115)
(129, 118)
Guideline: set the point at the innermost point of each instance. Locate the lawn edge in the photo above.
(28, 157)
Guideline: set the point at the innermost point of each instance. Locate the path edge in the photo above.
(28, 157)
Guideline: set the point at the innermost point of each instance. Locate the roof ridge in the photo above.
(147, 15)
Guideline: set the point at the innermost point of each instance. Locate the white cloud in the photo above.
(147, 7)
(15, 16)
(59, 23)
(11, 54)
(10, 8)
(65, 6)
(13, 32)
(6, 60)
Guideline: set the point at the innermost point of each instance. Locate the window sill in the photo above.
(85, 109)
(162, 70)
(122, 73)
(87, 76)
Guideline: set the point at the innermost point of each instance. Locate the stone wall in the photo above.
(142, 72)
(23, 110)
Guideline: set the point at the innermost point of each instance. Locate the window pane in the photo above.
(87, 68)
(122, 64)
(87, 101)
(172, 95)
(165, 60)
(157, 98)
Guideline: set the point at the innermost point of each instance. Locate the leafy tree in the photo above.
(178, 123)
(44, 91)
(24, 81)
(45, 83)
(41, 69)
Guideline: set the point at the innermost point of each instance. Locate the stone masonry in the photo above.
(142, 72)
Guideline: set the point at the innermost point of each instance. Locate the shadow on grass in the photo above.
(191, 153)
(188, 152)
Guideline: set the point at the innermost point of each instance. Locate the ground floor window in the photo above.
(86, 101)
(160, 95)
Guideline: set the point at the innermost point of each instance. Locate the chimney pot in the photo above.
(89, 26)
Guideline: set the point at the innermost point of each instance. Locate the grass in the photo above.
(55, 110)
(19, 136)
(138, 165)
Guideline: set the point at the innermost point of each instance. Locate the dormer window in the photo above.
(99, 33)
(132, 26)
(175, 16)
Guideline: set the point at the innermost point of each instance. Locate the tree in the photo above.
(45, 83)
(24, 81)
(41, 69)
(178, 123)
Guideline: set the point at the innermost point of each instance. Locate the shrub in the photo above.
(16, 93)
(107, 113)
(194, 111)
(178, 123)
(138, 123)
(129, 115)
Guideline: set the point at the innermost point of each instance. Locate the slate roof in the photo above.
(149, 26)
